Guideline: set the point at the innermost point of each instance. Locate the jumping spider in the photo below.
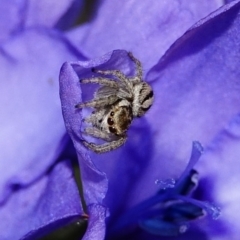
(115, 105)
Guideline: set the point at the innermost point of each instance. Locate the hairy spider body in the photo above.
(115, 105)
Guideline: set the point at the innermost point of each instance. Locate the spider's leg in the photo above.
(118, 74)
(123, 94)
(103, 81)
(98, 103)
(97, 133)
(106, 147)
(96, 117)
(139, 76)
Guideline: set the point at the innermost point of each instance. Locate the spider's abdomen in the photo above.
(143, 99)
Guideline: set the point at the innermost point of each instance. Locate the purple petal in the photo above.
(70, 92)
(19, 14)
(147, 28)
(32, 128)
(196, 86)
(188, 88)
(11, 17)
(96, 224)
(94, 182)
(48, 13)
(220, 165)
(40, 208)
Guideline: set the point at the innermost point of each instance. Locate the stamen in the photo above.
(164, 184)
(213, 210)
(160, 227)
(183, 228)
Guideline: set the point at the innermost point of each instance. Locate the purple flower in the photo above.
(196, 87)
(38, 192)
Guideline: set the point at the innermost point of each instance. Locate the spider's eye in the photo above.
(149, 96)
(112, 130)
(111, 114)
(110, 121)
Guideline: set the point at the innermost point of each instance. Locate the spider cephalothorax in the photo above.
(115, 105)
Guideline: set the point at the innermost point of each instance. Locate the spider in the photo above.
(115, 104)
